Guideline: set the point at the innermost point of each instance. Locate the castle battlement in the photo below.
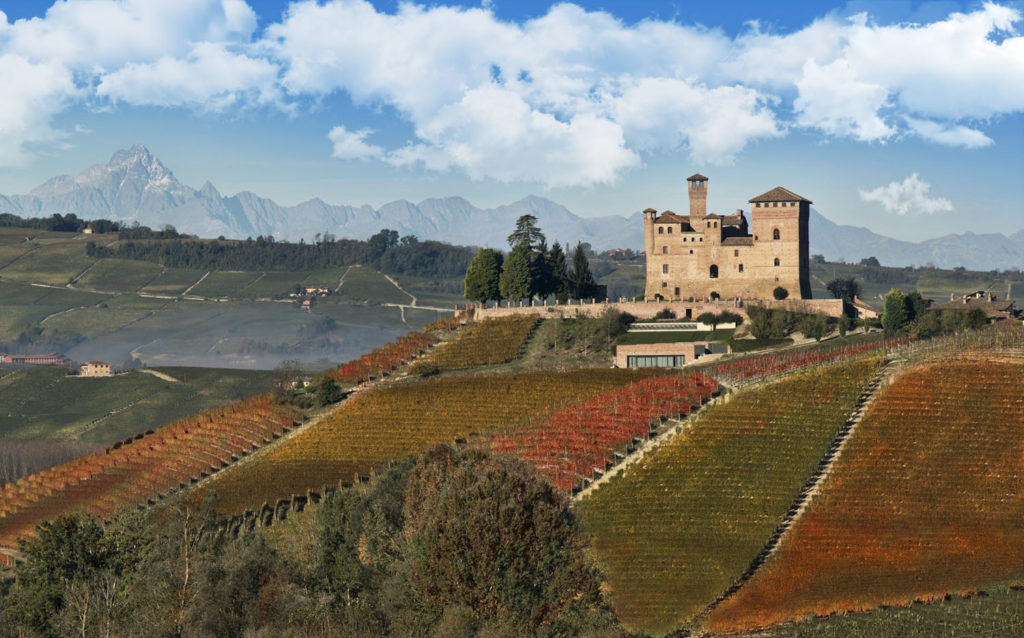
(702, 254)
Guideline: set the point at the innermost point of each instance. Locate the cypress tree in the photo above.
(516, 279)
(581, 280)
(559, 272)
(483, 276)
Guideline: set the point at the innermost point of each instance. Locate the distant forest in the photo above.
(384, 251)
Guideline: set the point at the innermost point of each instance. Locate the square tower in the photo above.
(698, 189)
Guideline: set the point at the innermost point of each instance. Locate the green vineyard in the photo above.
(483, 343)
(678, 527)
(386, 424)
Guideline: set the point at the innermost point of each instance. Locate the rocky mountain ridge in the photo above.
(135, 186)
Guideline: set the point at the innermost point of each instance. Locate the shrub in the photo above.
(780, 293)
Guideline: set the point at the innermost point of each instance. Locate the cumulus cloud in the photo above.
(908, 197)
(352, 144)
(947, 134)
(209, 77)
(33, 93)
(569, 98)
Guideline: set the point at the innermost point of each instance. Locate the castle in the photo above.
(703, 255)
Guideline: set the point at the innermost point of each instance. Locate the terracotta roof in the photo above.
(860, 303)
(732, 220)
(780, 194)
(670, 217)
(713, 216)
(99, 363)
(650, 210)
(695, 177)
(738, 241)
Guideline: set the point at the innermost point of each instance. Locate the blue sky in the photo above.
(905, 117)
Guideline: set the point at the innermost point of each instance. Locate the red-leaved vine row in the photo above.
(567, 447)
(769, 364)
(384, 359)
(138, 469)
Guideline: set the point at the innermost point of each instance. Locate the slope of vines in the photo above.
(483, 343)
(139, 469)
(569, 445)
(677, 528)
(927, 499)
(385, 424)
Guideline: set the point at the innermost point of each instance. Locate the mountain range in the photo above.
(135, 186)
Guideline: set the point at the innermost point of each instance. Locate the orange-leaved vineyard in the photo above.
(927, 500)
(140, 469)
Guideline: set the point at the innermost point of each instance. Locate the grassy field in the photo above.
(224, 284)
(366, 284)
(681, 524)
(632, 338)
(43, 402)
(23, 306)
(53, 264)
(119, 275)
(172, 281)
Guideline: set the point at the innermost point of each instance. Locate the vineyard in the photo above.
(680, 525)
(384, 424)
(751, 368)
(483, 343)
(383, 360)
(567, 447)
(142, 468)
(925, 501)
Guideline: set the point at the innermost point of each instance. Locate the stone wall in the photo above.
(647, 309)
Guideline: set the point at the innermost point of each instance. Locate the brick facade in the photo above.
(699, 254)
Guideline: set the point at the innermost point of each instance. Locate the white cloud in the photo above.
(33, 93)
(210, 77)
(492, 132)
(908, 197)
(832, 99)
(352, 144)
(568, 81)
(948, 134)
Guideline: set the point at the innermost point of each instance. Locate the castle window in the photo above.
(664, 284)
(736, 253)
(664, 250)
(691, 251)
(677, 292)
(661, 230)
(776, 261)
(669, 230)
(741, 267)
(713, 273)
(664, 268)
(775, 204)
(702, 239)
(716, 224)
(775, 234)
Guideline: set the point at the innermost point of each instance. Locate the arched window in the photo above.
(714, 271)
(669, 230)
(775, 234)
(661, 230)
(776, 261)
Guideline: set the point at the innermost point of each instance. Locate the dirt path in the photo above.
(160, 375)
(342, 280)
(404, 291)
(189, 289)
(812, 487)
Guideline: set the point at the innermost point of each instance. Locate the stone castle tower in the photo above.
(700, 254)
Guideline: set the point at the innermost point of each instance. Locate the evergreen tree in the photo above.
(894, 315)
(516, 279)
(526, 235)
(581, 280)
(845, 288)
(483, 276)
(916, 306)
(542, 271)
(559, 272)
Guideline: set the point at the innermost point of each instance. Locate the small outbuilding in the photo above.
(96, 369)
